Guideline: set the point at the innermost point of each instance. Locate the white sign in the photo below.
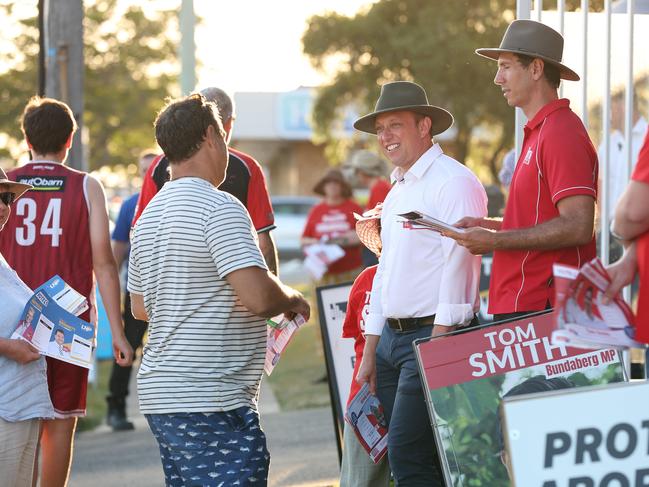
(339, 351)
(587, 437)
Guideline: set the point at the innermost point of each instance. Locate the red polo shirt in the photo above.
(378, 192)
(641, 175)
(558, 160)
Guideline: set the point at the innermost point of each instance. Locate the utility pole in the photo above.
(187, 47)
(63, 45)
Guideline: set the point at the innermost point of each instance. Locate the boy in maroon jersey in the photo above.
(61, 228)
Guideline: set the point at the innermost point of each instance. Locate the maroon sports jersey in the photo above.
(47, 232)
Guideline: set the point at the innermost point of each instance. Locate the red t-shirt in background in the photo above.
(641, 175)
(358, 307)
(332, 222)
(558, 160)
(378, 192)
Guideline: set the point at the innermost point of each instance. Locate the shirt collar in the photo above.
(419, 168)
(546, 110)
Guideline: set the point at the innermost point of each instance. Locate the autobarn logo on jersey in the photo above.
(44, 183)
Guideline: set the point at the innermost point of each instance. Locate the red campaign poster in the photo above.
(466, 375)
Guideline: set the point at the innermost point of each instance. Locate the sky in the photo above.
(255, 45)
(242, 45)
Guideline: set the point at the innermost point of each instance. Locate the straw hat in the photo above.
(368, 229)
(11, 186)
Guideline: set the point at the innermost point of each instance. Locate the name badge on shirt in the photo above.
(528, 156)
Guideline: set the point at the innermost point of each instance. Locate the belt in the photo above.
(406, 324)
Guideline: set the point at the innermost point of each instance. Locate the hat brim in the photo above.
(17, 189)
(441, 119)
(319, 187)
(494, 53)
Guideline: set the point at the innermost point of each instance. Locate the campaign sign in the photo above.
(466, 375)
(590, 437)
(339, 351)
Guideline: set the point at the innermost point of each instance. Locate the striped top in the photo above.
(205, 350)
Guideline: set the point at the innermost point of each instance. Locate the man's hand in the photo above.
(488, 223)
(367, 368)
(19, 351)
(476, 240)
(301, 307)
(468, 222)
(622, 273)
(122, 351)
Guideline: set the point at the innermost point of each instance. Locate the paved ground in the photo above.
(301, 443)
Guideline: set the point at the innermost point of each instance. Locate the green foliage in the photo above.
(130, 70)
(431, 43)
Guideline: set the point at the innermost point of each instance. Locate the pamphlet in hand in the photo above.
(365, 415)
(279, 334)
(65, 296)
(53, 330)
(583, 320)
(417, 220)
(319, 256)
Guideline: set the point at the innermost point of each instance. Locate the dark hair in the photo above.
(47, 124)
(181, 126)
(550, 71)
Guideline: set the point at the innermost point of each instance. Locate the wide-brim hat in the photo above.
(534, 39)
(368, 229)
(337, 176)
(368, 162)
(408, 96)
(12, 186)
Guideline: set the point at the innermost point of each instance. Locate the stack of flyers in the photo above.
(66, 297)
(417, 220)
(320, 256)
(583, 320)
(279, 333)
(365, 415)
(53, 330)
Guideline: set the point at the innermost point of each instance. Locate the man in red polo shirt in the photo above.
(549, 217)
(632, 225)
(244, 180)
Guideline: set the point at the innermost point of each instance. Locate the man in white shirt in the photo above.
(425, 284)
(618, 174)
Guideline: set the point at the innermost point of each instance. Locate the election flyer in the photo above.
(365, 415)
(467, 374)
(584, 318)
(53, 330)
(280, 331)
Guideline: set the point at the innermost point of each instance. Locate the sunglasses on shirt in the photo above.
(7, 198)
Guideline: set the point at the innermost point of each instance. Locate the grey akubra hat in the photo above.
(405, 96)
(530, 38)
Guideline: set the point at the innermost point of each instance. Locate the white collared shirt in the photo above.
(421, 273)
(618, 175)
